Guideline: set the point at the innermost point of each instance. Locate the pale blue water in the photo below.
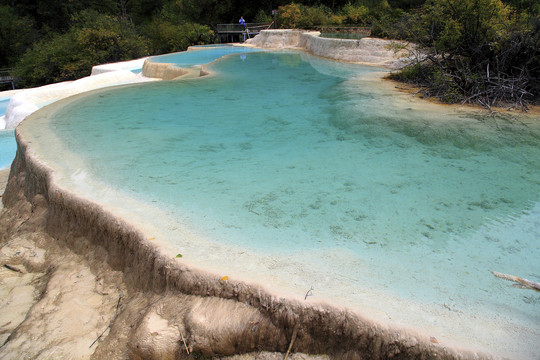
(8, 147)
(3, 106)
(284, 156)
(200, 55)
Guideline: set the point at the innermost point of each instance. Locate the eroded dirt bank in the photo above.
(77, 282)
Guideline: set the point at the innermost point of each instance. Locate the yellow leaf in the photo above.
(225, 278)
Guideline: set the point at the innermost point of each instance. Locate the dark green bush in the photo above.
(477, 51)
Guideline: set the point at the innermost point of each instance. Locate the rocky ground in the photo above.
(55, 303)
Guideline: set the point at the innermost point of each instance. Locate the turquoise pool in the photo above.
(201, 55)
(3, 106)
(332, 181)
(8, 147)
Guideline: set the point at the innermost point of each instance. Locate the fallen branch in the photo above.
(523, 283)
(184, 341)
(12, 268)
(309, 293)
(293, 337)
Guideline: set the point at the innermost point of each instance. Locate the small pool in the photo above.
(200, 55)
(8, 145)
(8, 148)
(3, 106)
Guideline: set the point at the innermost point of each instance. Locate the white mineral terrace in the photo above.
(25, 102)
(388, 53)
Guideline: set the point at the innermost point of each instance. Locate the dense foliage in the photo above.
(93, 39)
(483, 51)
(476, 51)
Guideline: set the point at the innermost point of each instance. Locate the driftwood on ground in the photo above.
(523, 283)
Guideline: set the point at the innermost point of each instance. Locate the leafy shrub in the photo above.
(354, 14)
(336, 19)
(295, 16)
(314, 16)
(289, 16)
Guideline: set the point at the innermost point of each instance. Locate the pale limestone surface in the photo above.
(63, 303)
(163, 71)
(124, 65)
(27, 101)
(388, 53)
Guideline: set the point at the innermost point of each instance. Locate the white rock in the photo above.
(27, 101)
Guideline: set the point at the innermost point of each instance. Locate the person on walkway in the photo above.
(242, 21)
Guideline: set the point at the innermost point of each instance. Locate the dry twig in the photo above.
(309, 293)
(110, 323)
(184, 341)
(523, 283)
(12, 268)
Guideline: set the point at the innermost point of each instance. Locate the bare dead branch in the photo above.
(523, 282)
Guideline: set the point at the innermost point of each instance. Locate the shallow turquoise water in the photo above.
(285, 153)
(3, 106)
(200, 55)
(8, 147)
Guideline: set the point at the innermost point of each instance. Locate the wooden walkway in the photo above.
(237, 31)
(5, 77)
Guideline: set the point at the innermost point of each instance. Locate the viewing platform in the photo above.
(230, 32)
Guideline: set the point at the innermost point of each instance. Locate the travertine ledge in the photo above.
(388, 53)
(166, 71)
(224, 318)
(162, 71)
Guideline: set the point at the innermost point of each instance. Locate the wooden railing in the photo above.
(241, 30)
(236, 28)
(6, 77)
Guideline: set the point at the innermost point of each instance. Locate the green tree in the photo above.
(16, 34)
(355, 14)
(289, 16)
(315, 16)
(166, 37)
(93, 39)
(198, 11)
(142, 11)
(478, 51)
(56, 15)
